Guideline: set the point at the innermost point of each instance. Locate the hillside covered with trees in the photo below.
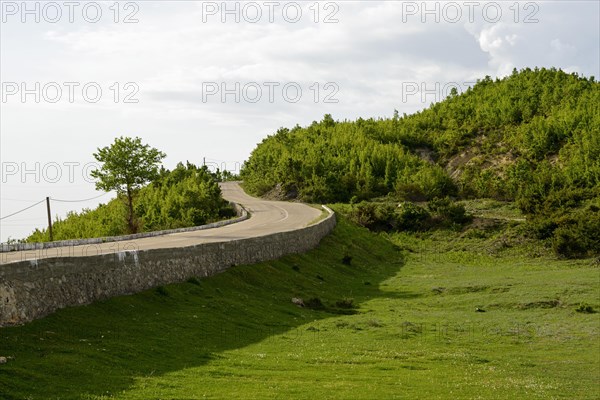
(532, 138)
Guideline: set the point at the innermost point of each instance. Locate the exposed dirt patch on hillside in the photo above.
(481, 157)
(281, 194)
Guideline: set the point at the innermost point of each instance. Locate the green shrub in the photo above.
(345, 303)
(388, 217)
(363, 214)
(314, 303)
(569, 242)
(412, 217)
(435, 182)
(578, 233)
(374, 216)
(541, 228)
(585, 309)
(448, 212)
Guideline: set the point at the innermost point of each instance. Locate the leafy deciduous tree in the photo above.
(127, 165)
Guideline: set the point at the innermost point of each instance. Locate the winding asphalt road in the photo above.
(266, 217)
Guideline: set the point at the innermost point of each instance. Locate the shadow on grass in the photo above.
(102, 348)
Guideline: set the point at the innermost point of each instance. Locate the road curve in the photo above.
(266, 217)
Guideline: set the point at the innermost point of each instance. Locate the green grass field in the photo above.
(414, 332)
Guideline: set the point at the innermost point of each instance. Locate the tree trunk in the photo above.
(132, 227)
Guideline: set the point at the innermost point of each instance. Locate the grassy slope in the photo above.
(415, 333)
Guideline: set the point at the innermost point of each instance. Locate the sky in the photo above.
(206, 81)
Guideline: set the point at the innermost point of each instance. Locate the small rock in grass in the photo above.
(479, 309)
(2, 360)
(298, 301)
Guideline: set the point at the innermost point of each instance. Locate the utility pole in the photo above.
(49, 217)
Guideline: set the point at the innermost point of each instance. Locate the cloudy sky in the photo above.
(209, 80)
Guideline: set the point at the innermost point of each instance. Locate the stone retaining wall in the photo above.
(33, 289)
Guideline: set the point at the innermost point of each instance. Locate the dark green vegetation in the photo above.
(385, 317)
(407, 216)
(186, 196)
(532, 138)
